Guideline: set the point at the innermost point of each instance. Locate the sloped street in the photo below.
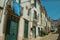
(50, 37)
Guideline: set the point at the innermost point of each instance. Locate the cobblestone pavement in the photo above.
(50, 37)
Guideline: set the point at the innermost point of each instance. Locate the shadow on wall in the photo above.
(58, 31)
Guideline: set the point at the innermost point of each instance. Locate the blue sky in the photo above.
(52, 8)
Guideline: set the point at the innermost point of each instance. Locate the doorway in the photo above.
(11, 28)
(26, 29)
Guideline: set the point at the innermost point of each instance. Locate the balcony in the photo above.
(10, 11)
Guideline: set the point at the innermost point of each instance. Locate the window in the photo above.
(19, 1)
(38, 17)
(35, 15)
(29, 12)
(9, 3)
(21, 9)
(34, 31)
(39, 31)
(32, 5)
(35, 3)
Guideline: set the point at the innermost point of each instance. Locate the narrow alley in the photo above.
(53, 36)
(29, 20)
(50, 37)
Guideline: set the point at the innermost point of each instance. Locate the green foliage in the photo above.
(43, 33)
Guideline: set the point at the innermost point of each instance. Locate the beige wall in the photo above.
(2, 3)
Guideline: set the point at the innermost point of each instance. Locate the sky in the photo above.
(52, 7)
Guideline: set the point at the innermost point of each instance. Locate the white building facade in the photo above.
(29, 22)
(27, 26)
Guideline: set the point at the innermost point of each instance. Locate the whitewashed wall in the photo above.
(24, 4)
(2, 3)
(24, 1)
